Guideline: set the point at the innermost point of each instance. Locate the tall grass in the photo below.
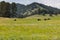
(30, 29)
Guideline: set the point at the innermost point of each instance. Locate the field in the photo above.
(30, 29)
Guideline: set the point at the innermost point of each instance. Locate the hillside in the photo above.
(36, 8)
(16, 10)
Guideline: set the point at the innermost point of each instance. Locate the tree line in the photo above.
(7, 9)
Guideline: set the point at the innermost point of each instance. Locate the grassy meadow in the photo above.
(30, 29)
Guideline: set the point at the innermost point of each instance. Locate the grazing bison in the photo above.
(14, 19)
(45, 19)
(39, 19)
(48, 18)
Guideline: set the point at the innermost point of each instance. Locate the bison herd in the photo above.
(45, 19)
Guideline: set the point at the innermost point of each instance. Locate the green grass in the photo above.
(30, 29)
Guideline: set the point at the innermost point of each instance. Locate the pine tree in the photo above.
(14, 9)
(3, 8)
(7, 13)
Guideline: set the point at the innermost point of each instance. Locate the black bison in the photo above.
(39, 19)
(48, 18)
(45, 19)
(14, 19)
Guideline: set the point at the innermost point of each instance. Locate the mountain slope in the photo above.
(35, 8)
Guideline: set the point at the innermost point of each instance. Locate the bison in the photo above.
(39, 19)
